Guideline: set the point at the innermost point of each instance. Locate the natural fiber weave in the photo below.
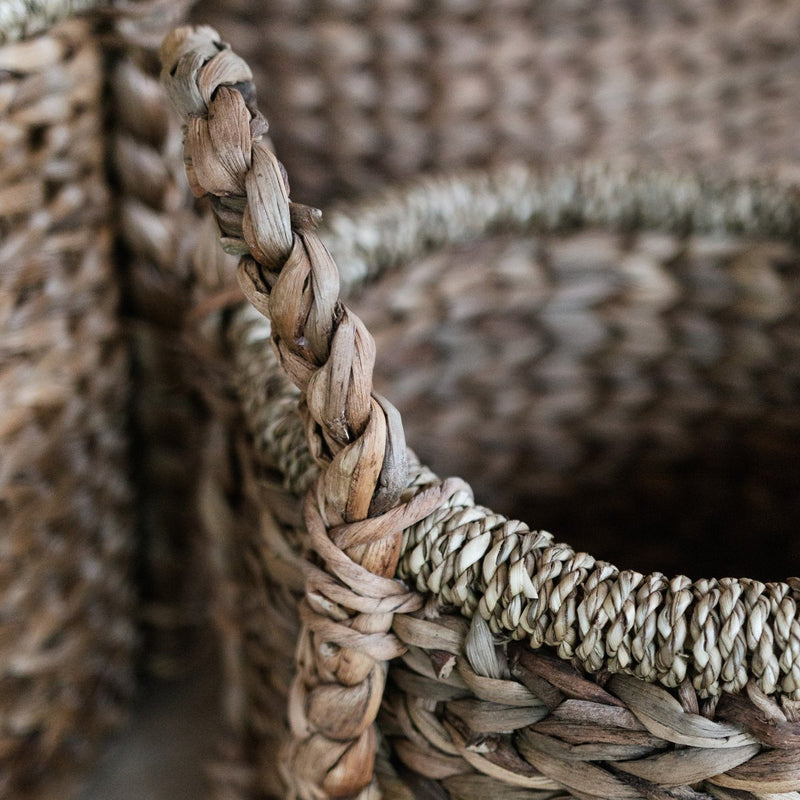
(467, 712)
(20, 19)
(66, 610)
(157, 226)
(360, 94)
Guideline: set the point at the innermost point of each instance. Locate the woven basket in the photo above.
(359, 94)
(156, 230)
(95, 245)
(66, 600)
(656, 362)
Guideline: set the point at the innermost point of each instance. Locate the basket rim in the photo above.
(409, 220)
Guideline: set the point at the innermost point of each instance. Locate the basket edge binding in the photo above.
(196, 75)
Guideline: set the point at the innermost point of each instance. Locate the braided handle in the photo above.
(287, 274)
(355, 436)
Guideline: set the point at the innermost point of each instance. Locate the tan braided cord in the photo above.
(701, 637)
(327, 352)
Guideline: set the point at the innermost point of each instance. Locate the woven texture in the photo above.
(360, 94)
(156, 228)
(66, 620)
(466, 708)
(153, 231)
(20, 19)
(663, 365)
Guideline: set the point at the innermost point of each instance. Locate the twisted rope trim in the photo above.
(403, 223)
(718, 634)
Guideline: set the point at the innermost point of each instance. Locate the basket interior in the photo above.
(635, 394)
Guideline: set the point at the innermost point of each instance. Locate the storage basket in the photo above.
(94, 220)
(66, 601)
(517, 666)
(360, 94)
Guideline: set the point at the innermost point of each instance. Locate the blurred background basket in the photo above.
(66, 593)
(156, 227)
(360, 94)
(606, 350)
(97, 485)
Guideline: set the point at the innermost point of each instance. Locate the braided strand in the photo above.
(355, 437)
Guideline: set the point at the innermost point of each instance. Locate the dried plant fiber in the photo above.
(439, 647)
(66, 596)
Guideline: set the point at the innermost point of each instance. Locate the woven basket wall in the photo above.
(98, 486)
(359, 94)
(610, 352)
(66, 599)
(157, 223)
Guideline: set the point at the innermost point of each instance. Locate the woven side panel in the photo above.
(254, 624)
(66, 625)
(358, 94)
(157, 223)
(549, 372)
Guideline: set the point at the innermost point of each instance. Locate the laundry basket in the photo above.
(631, 366)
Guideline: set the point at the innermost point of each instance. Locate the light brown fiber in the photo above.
(513, 661)
(66, 596)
